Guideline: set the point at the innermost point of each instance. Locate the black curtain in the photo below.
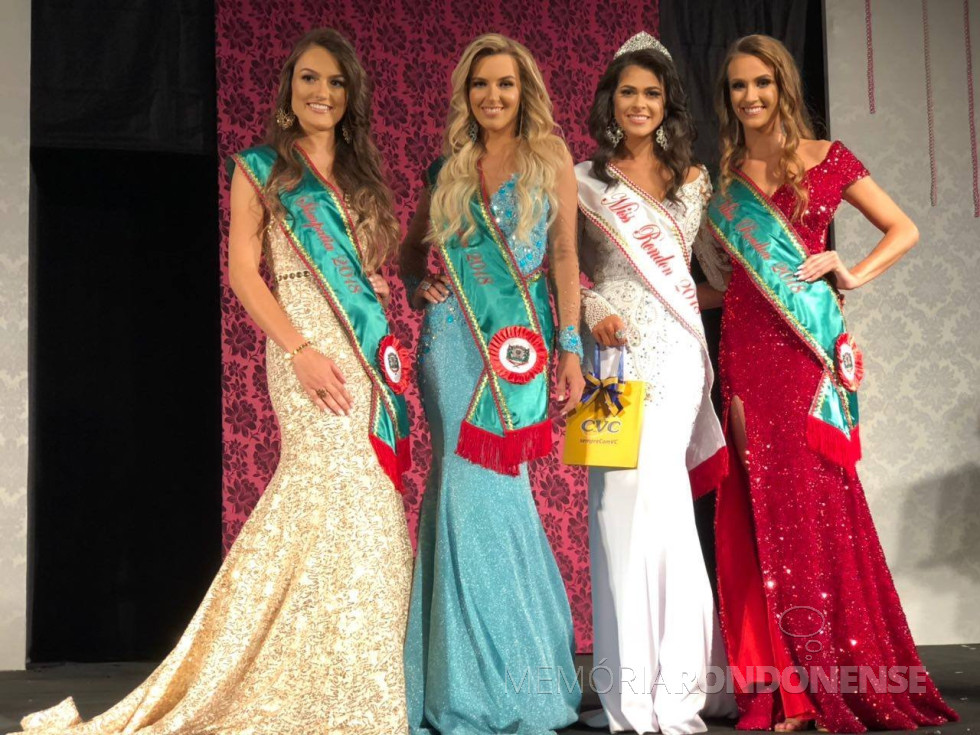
(698, 33)
(123, 75)
(125, 327)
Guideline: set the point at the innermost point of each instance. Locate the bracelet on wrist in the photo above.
(570, 341)
(293, 353)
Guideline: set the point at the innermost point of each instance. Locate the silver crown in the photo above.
(642, 40)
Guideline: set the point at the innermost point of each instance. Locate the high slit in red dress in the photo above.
(801, 573)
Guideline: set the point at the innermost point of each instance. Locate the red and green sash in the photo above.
(509, 316)
(760, 238)
(319, 228)
(654, 245)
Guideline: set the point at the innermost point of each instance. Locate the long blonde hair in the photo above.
(793, 114)
(540, 153)
(358, 167)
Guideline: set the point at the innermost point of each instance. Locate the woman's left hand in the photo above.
(381, 289)
(819, 265)
(571, 382)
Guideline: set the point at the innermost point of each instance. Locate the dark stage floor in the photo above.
(96, 687)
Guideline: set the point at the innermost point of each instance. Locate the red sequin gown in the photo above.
(802, 576)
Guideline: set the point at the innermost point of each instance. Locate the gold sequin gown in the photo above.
(302, 629)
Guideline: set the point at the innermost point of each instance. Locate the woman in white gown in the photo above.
(656, 632)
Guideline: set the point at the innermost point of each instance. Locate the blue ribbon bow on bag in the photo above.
(608, 391)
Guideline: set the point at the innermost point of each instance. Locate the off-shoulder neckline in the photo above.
(806, 173)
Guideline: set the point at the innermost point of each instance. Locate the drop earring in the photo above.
(284, 119)
(614, 133)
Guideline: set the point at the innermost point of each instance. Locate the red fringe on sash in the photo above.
(393, 462)
(831, 443)
(709, 475)
(504, 454)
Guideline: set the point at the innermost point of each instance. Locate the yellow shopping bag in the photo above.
(604, 431)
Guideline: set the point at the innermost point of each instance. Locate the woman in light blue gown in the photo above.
(490, 641)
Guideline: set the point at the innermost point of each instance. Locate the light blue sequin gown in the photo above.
(490, 641)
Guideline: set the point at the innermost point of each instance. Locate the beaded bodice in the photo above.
(528, 252)
(825, 184)
(604, 261)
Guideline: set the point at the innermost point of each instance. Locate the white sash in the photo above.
(654, 244)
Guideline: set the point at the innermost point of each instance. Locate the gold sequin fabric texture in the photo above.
(302, 630)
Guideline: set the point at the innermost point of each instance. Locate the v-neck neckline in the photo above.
(806, 174)
(500, 188)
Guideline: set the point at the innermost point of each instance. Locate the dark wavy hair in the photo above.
(677, 123)
(357, 169)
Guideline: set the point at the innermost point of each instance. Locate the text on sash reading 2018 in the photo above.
(748, 228)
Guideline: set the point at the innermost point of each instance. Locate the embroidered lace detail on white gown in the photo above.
(653, 606)
(654, 336)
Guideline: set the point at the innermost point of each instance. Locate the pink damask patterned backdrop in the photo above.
(409, 48)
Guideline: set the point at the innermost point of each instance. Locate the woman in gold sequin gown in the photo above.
(302, 630)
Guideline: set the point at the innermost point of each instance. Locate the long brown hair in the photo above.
(677, 122)
(357, 169)
(793, 114)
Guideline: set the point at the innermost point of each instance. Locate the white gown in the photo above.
(656, 631)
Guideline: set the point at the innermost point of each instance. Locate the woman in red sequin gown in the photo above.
(802, 577)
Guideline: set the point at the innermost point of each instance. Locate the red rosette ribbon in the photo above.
(517, 354)
(850, 362)
(395, 364)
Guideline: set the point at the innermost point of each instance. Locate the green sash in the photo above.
(765, 244)
(321, 233)
(509, 316)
